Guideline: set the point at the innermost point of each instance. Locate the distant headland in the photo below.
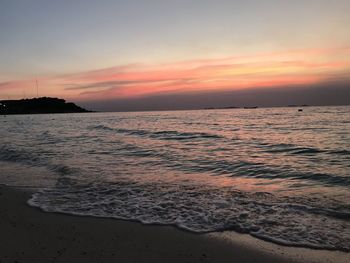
(38, 106)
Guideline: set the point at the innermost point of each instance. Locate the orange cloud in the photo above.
(280, 69)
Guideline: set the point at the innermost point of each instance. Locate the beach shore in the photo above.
(30, 235)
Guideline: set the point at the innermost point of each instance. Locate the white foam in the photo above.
(297, 222)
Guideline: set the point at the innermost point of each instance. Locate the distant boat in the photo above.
(300, 109)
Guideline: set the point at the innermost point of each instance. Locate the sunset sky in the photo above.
(125, 55)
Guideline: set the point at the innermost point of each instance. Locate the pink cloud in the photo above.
(279, 69)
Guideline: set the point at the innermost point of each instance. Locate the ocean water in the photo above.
(275, 173)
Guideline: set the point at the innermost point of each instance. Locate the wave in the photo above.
(188, 164)
(35, 160)
(340, 152)
(256, 170)
(295, 149)
(162, 135)
(201, 209)
(11, 155)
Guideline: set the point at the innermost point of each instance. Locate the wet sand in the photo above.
(30, 235)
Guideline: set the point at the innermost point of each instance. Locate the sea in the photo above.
(277, 174)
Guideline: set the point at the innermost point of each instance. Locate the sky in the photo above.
(162, 54)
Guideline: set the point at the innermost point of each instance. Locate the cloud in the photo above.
(5, 84)
(330, 93)
(297, 68)
(9, 85)
(115, 84)
(95, 85)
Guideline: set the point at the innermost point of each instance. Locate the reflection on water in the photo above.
(277, 174)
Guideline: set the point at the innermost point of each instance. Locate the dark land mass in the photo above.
(231, 107)
(222, 108)
(38, 106)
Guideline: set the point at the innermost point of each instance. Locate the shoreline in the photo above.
(32, 235)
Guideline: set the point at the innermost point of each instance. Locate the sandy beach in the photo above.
(30, 235)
